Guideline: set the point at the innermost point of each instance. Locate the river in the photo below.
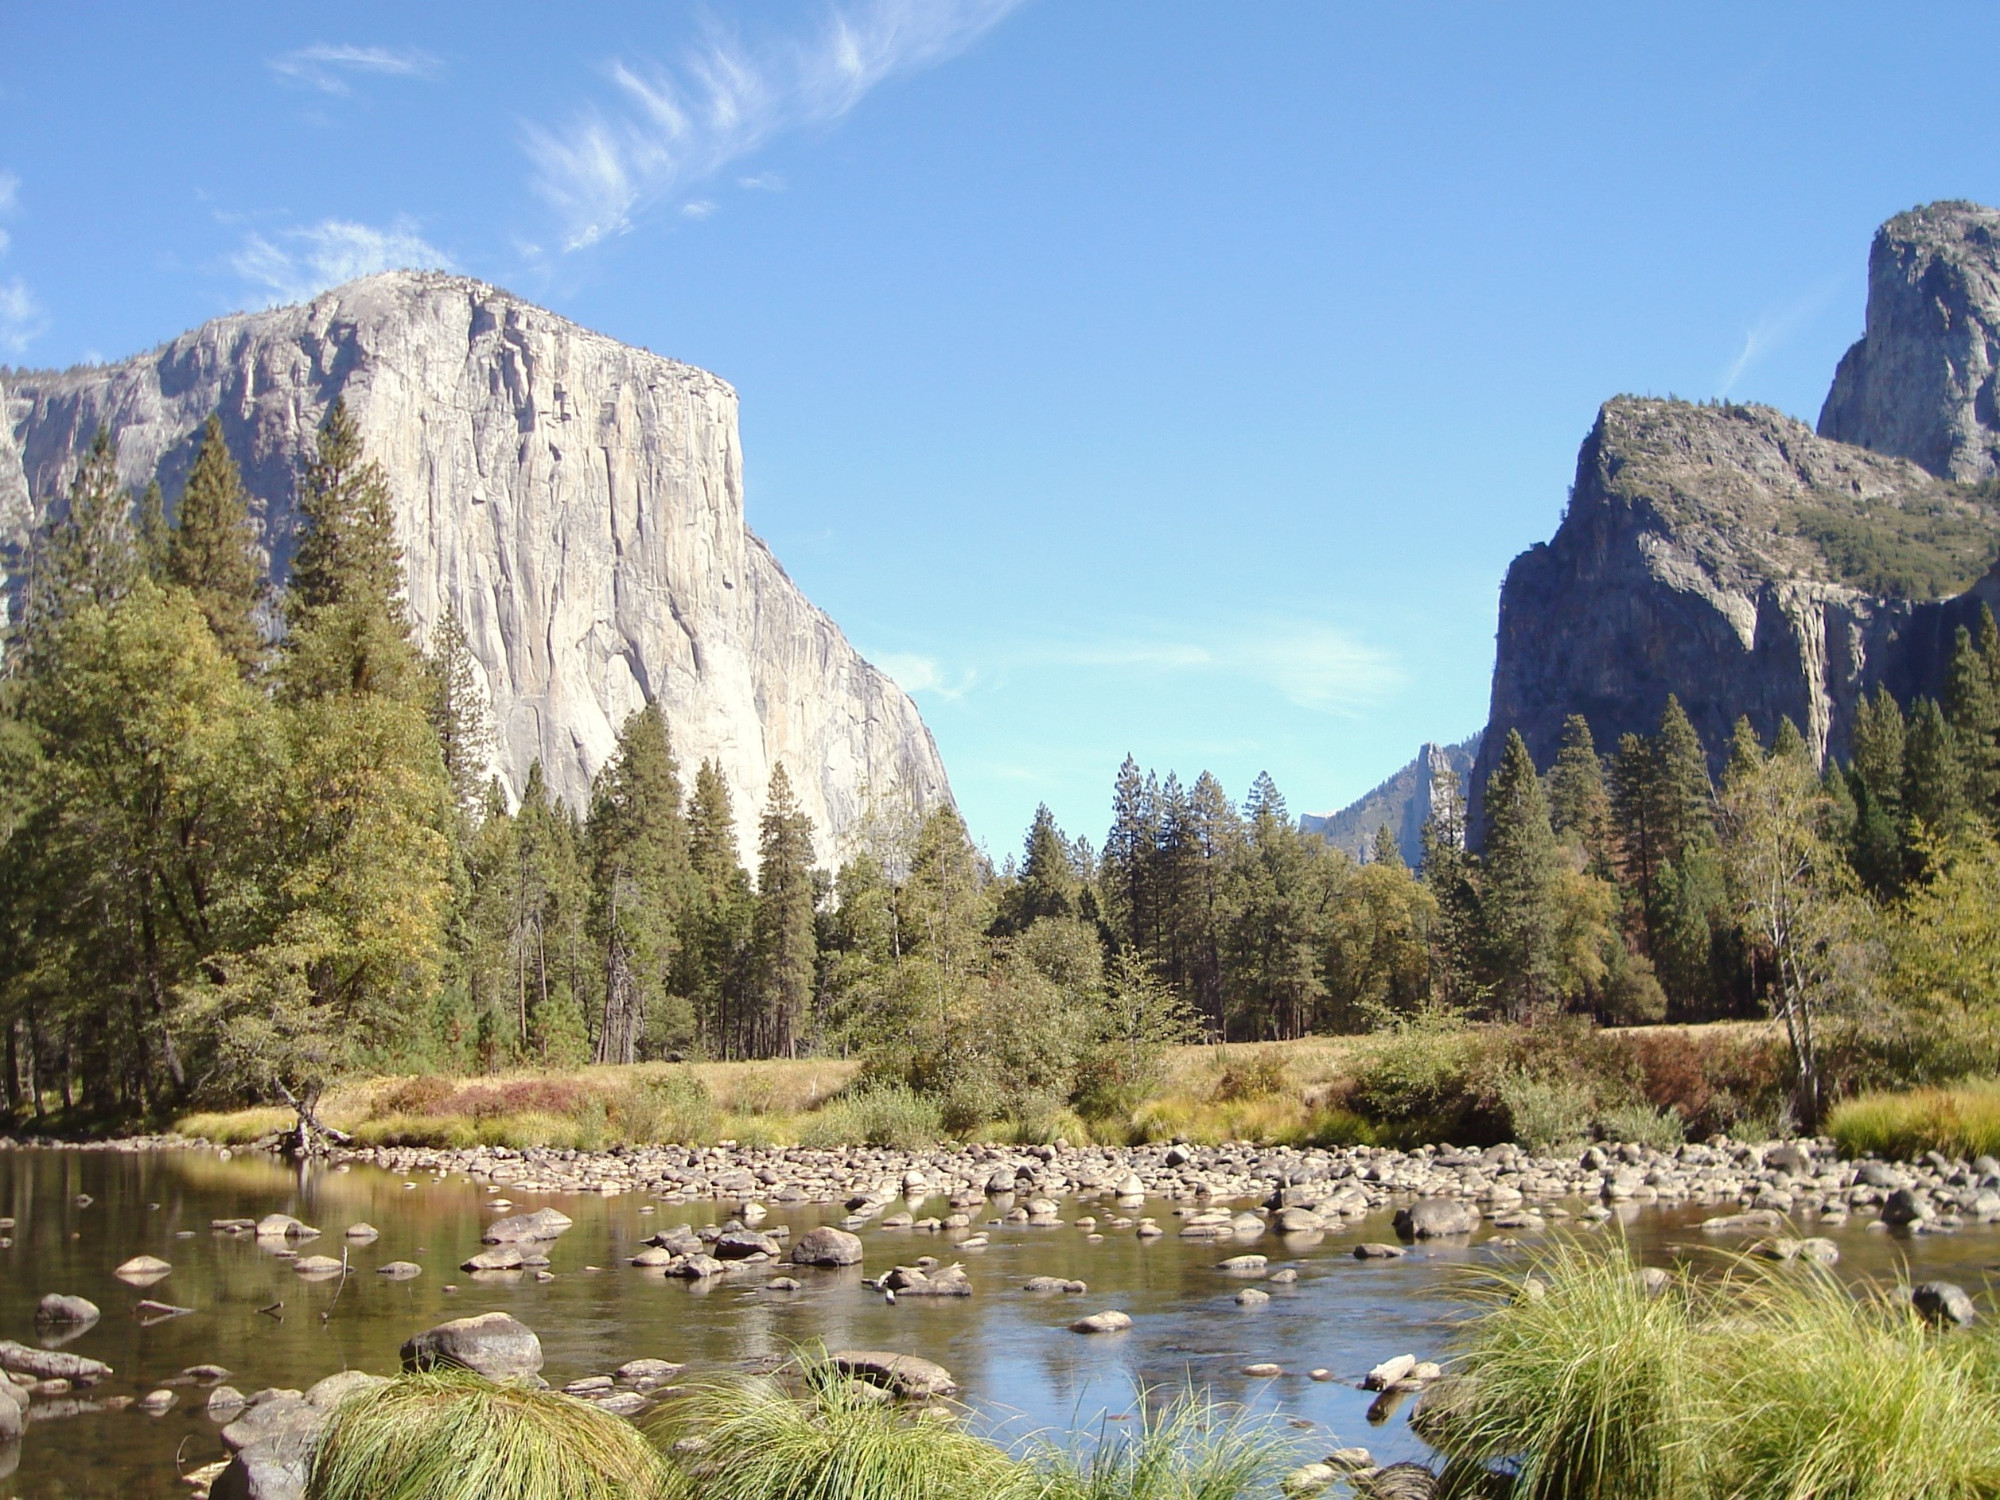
(1022, 1371)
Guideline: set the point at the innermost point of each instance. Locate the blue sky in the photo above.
(1166, 378)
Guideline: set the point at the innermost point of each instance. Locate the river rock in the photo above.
(1388, 1372)
(157, 1402)
(318, 1265)
(1375, 1250)
(742, 1244)
(224, 1398)
(1104, 1322)
(1404, 1481)
(142, 1270)
(1941, 1302)
(492, 1344)
(363, 1231)
(50, 1364)
(827, 1246)
(1054, 1284)
(543, 1224)
(283, 1227)
(916, 1281)
(399, 1270)
(697, 1268)
(1436, 1218)
(902, 1374)
(1252, 1296)
(56, 1309)
(1904, 1206)
(646, 1373)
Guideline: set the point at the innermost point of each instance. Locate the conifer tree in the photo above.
(1049, 886)
(1933, 772)
(1384, 851)
(1579, 805)
(1127, 859)
(348, 629)
(715, 961)
(1686, 795)
(1972, 704)
(639, 877)
(212, 553)
(1446, 872)
(1519, 874)
(89, 556)
(458, 712)
(153, 535)
(784, 935)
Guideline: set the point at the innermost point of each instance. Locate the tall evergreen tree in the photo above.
(212, 553)
(88, 556)
(458, 711)
(639, 878)
(153, 536)
(1049, 886)
(1972, 704)
(1579, 805)
(1446, 872)
(348, 629)
(1384, 850)
(1126, 863)
(1933, 772)
(1519, 873)
(716, 959)
(784, 933)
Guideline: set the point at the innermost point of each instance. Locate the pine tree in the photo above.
(1281, 916)
(1126, 863)
(154, 536)
(1972, 704)
(458, 711)
(1519, 872)
(786, 950)
(349, 632)
(1446, 872)
(639, 878)
(1219, 836)
(1384, 850)
(1686, 797)
(715, 961)
(1049, 885)
(212, 553)
(1579, 805)
(89, 556)
(1933, 773)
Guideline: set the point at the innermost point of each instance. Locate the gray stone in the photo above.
(1905, 1206)
(741, 1244)
(550, 484)
(902, 1374)
(50, 1364)
(55, 1309)
(542, 1224)
(1104, 1322)
(492, 1344)
(827, 1246)
(399, 1270)
(1941, 1302)
(1436, 1218)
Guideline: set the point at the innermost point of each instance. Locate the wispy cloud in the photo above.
(297, 263)
(1310, 664)
(763, 182)
(700, 209)
(1313, 665)
(916, 673)
(332, 69)
(1778, 326)
(667, 128)
(20, 316)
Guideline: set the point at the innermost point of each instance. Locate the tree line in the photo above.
(251, 842)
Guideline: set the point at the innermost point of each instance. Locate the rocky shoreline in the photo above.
(1297, 1185)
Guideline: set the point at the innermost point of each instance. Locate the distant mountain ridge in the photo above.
(1402, 804)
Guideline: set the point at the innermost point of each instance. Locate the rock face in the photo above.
(1403, 804)
(1921, 383)
(1735, 558)
(576, 501)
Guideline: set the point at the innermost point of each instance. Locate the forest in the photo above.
(251, 846)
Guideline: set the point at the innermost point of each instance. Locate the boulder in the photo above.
(400, 1270)
(1942, 1302)
(142, 1270)
(1104, 1322)
(1054, 1284)
(1435, 1218)
(543, 1224)
(1375, 1250)
(492, 1344)
(57, 1309)
(1904, 1206)
(916, 1281)
(827, 1246)
(283, 1227)
(50, 1364)
(900, 1374)
(742, 1244)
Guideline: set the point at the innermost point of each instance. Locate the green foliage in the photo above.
(784, 939)
(458, 713)
(87, 557)
(450, 1435)
(1189, 1447)
(212, 553)
(878, 1114)
(675, 1106)
(1920, 549)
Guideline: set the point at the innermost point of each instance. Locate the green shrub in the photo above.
(1545, 1113)
(674, 1106)
(1641, 1125)
(450, 1435)
(877, 1114)
(1417, 1080)
(1255, 1075)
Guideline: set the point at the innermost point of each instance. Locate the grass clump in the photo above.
(1963, 1120)
(810, 1433)
(1766, 1383)
(1190, 1448)
(451, 1435)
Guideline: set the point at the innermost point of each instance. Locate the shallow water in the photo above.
(1020, 1368)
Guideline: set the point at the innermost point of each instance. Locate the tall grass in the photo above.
(810, 1433)
(1963, 1120)
(450, 1435)
(1766, 1383)
(1190, 1448)
(891, 1115)
(1590, 1387)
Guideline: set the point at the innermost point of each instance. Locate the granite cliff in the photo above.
(1402, 804)
(578, 503)
(1738, 559)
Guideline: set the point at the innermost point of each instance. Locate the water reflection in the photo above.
(1011, 1350)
